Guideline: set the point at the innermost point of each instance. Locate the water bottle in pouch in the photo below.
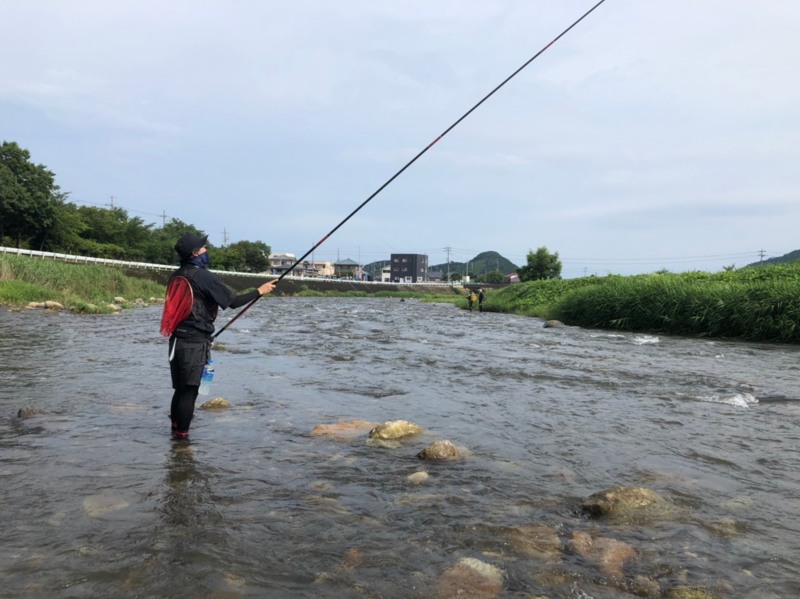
(207, 377)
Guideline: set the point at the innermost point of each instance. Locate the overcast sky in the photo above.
(653, 135)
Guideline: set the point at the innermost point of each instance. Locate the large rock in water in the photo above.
(29, 411)
(395, 429)
(440, 450)
(218, 403)
(624, 503)
(553, 324)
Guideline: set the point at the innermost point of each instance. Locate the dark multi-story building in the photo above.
(409, 268)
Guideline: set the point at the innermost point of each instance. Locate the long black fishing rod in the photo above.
(410, 162)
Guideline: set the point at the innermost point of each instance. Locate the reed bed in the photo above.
(757, 304)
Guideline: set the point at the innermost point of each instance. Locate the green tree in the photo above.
(65, 233)
(256, 255)
(494, 276)
(28, 195)
(541, 265)
(160, 248)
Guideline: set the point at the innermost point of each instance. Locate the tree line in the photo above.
(36, 214)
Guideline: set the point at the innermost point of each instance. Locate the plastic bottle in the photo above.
(207, 377)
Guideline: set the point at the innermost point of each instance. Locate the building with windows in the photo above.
(347, 269)
(280, 263)
(386, 274)
(408, 268)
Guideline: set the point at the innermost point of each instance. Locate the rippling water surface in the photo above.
(99, 502)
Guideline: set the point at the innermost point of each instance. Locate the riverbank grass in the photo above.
(79, 287)
(755, 304)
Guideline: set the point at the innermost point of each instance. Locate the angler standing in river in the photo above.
(194, 295)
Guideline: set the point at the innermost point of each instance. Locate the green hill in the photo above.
(479, 265)
(790, 257)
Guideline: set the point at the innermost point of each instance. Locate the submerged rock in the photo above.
(609, 554)
(99, 505)
(623, 502)
(535, 540)
(29, 411)
(349, 429)
(383, 443)
(218, 403)
(440, 450)
(417, 477)
(395, 429)
(470, 578)
(553, 324)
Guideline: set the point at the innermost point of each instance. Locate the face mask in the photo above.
(202, 260)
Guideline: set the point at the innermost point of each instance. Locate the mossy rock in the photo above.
(624, 502)
(218, 403)
(395, 429)
(440, 450)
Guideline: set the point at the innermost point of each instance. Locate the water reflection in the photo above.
(187, 492)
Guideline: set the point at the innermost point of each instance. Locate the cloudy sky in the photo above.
(653, 135)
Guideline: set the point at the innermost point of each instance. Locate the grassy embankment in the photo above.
(756, 304)
(90, 288)
(79, 287)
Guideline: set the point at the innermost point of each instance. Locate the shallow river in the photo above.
(98, 501)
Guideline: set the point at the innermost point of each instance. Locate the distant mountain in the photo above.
(480, 264)
(790, 257)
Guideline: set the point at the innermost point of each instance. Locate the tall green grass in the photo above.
(24, 279)
(758, 304)
(535, 298)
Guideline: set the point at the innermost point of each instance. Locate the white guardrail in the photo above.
(261, 275)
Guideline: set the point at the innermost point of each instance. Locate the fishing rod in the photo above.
(410, 162)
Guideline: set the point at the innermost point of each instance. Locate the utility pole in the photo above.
(224, 237)
(761, 254)
(163, 218)
(112, 203)
(447, 249)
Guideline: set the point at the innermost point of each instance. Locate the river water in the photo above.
(98, 501)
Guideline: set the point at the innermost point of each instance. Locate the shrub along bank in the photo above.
(757, 304)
